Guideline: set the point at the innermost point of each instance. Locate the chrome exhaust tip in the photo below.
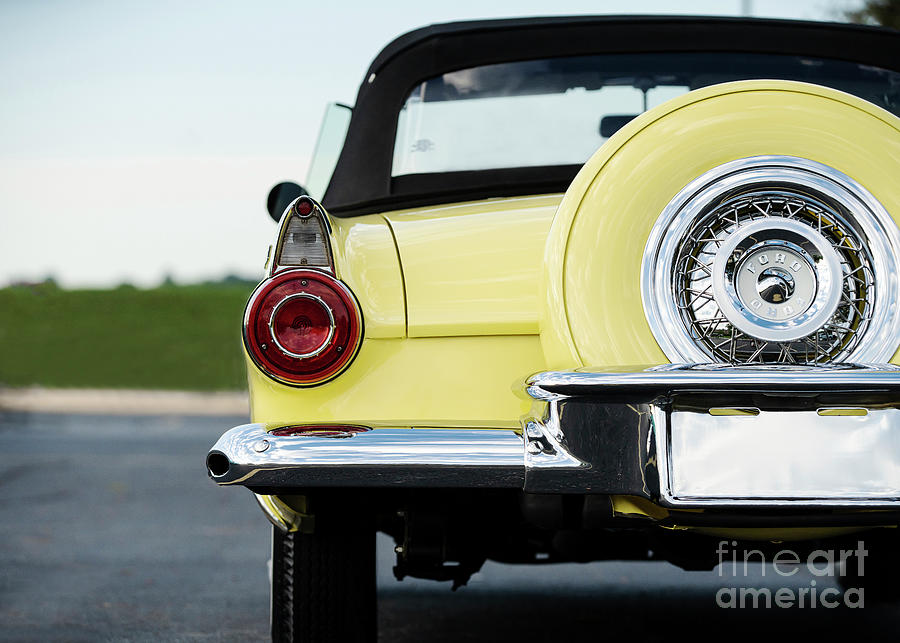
(217, 464)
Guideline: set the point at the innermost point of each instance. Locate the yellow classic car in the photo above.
(576, 289)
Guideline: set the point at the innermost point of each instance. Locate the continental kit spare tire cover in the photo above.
(799, 176)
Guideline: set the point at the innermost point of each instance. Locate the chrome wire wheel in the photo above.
(773, 260)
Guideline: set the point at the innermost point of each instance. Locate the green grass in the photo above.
(171, 337)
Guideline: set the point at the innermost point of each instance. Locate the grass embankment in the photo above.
(171, 337)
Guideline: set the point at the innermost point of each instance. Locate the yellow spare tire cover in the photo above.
(592, 313)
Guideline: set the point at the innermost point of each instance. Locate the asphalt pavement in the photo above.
(111, 531)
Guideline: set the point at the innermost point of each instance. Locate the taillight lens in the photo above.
(302, 327)
(304, 243)
(320, 430)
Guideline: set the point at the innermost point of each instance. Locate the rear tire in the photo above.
(323, 583)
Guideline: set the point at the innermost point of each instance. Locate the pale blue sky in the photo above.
(139, 139)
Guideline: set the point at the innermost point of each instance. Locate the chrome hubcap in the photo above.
(776, 286)
(776, 278)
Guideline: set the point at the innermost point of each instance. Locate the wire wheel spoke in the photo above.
(709, 326)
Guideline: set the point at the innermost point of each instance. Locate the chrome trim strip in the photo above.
(323, 345)
(376, 458)
(669, 378)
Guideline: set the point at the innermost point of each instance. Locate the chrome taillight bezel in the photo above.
(304, 211)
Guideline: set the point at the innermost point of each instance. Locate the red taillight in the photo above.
(302, 327)
(320, 430)
(304, 206)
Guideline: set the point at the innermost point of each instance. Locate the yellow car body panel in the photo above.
(474, 268)
(365, 258)
(447, 381)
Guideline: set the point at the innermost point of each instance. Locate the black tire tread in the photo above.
(323, 584)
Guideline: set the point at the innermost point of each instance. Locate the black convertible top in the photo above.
(362, 180)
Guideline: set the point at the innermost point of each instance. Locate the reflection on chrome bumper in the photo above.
(799, 454)
(713, 435)
(248, 455)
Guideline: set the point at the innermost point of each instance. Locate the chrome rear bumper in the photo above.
(680, 436)
(383, 457)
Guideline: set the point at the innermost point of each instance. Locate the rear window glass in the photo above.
(558, 111)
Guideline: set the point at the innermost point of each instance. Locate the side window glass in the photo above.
(328, 148)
